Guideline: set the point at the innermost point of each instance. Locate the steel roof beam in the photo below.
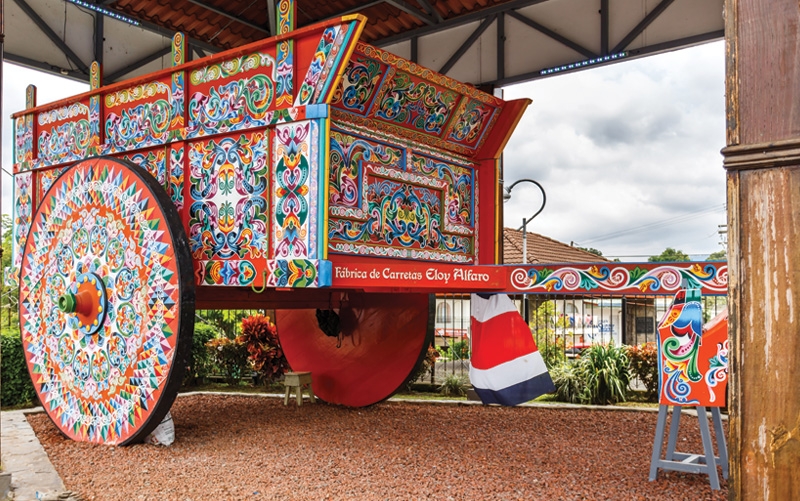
(99, 33)
(632, 54)
(430, 10)
(413, 11)
(552, 34)
(644, 23)
(501, 46)
(48, 31)
(604, 20)
(238, 19)
(50, 68)
(138, 64)
(467, 44)
(452, 23)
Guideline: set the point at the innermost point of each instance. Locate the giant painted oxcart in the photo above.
(307, 172)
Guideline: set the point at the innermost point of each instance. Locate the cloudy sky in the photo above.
(627, 153)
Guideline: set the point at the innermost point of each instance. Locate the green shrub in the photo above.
(569, 379)
(231, 357)
(425, 366)
(201, 363)
(16, 382)
(454, 385)
(644, 367)
(551, 347)
(607, 373)
(600, 376)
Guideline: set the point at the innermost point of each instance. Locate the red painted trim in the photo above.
(501, 132)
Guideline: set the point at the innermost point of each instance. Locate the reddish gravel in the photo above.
(233, 447)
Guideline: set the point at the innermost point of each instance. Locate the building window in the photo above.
(444, 313)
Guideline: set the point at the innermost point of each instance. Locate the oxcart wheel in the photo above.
(106, 302)
(384, 338)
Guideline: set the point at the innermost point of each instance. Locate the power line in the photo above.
(658, 224)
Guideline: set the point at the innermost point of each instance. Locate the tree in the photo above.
(591, 250)
(669, 254)
(9, 303)
(721, 255)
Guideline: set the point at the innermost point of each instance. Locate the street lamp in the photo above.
(524, 227)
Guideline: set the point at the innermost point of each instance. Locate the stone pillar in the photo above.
(762, 160)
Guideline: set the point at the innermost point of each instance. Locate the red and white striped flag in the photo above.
(506, 366)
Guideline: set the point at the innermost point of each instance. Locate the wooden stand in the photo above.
(298, 380)
(692, 463)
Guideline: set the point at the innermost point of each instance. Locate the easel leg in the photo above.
(673, 432)
(708, 448)
(299, 395)
(311, 394)
(662, 421)
(286, 397)
(721, 443)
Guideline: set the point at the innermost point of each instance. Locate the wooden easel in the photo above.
(691, 463)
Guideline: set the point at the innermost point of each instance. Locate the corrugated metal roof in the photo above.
(385, 18)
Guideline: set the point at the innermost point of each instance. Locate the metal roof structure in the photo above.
(483, 42)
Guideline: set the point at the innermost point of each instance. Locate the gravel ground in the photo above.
(234, 447)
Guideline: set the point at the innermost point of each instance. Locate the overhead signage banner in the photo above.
(441, 277)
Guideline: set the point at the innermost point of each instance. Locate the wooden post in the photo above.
(763, 170)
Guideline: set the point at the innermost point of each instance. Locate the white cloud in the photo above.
(624, 146)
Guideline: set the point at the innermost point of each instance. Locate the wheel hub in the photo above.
(87, 300)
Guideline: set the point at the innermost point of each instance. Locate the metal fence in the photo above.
(561, 324)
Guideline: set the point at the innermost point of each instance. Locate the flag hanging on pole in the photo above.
(506, 367)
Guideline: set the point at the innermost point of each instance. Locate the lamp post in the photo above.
(524, 228)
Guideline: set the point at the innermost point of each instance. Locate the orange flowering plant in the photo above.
(260, 336)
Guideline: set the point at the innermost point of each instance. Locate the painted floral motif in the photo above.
(100, 382)
(234, 105)
(717, 369)
(329, 43)
(232, 67)
(284, 86)
(680, 338)
(471, 121)
(658, 278)
(175, 187)
(71, 140)
(418, 104)
(23, 211)
(142, 125)
(459, 200)
(228, 184)
(154, 161)
(346, 154)
(359, 84)
(23, 139)
(45, 178)
(294, 190)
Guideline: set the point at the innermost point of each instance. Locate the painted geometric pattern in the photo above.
(380, 91)
(23, 212)
(382, 206)
(67, 133)
(100, 225)
(154, 161)
(294, 197)
(228, 216)
(44, 180)
(691, 364)
(627, 278)
(143, 115)
(233, 94)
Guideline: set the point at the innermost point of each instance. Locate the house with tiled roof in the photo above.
(542, 249)
(584, 314)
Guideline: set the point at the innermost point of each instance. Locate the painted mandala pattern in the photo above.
(691, 363)
(228, 216)
(45, 178)
(360, 82)
(99, 300)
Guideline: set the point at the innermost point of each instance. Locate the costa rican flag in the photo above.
(506, 367)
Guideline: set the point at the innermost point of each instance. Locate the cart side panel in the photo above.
(23, 212)
(68, 133)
